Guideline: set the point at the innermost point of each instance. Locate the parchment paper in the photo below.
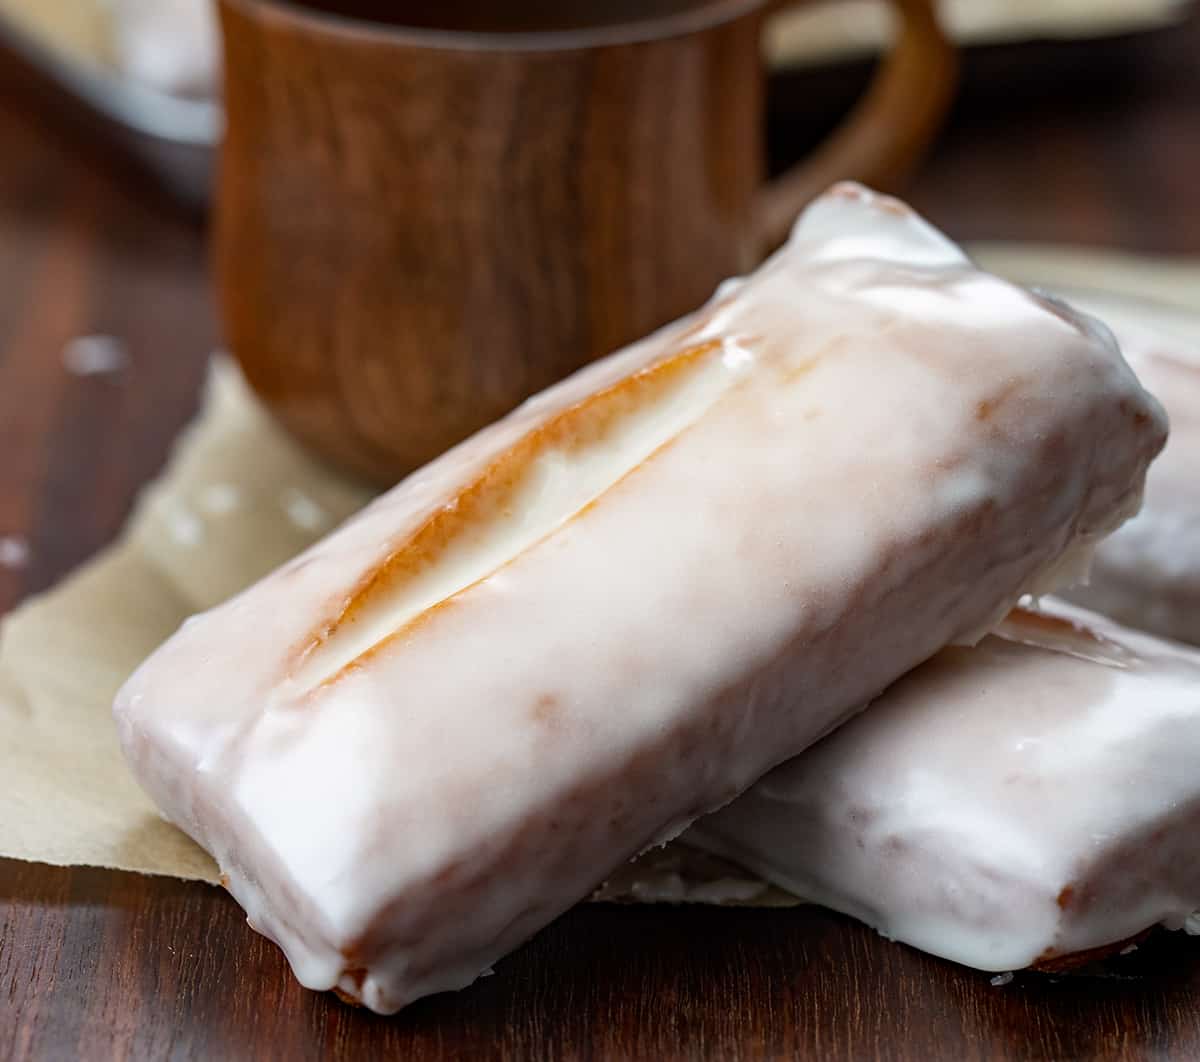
(238, 498)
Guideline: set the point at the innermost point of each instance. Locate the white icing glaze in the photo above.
(559, 482)
(1032, 798)
(891, 447)
(1148, 573)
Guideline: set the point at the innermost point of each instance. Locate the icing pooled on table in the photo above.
(612, 611)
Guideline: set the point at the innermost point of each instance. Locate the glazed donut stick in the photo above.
(612, 611)
(1026, 802)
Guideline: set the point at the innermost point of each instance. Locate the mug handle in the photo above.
(888, 130)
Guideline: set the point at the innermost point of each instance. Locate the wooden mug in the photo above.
(429, 210)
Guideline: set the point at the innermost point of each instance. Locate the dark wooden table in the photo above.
(1100, 147)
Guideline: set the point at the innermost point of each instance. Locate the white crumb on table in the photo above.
(1129, 949)
(185, 527)
(95, 355)
(1001, 979)
(14, 551)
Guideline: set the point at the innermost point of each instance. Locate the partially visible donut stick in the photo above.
(614, 610)
(1026, 802)
(1148, 573)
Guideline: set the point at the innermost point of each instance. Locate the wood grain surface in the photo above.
(96, 964)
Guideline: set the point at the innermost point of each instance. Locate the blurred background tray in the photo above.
(56, 55)
(59, 56)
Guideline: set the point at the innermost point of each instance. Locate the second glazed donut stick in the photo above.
(1028, 802)
(1148, 573)
(612, 611)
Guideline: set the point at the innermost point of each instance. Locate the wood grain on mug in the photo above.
(409, 251)
(416, 233)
